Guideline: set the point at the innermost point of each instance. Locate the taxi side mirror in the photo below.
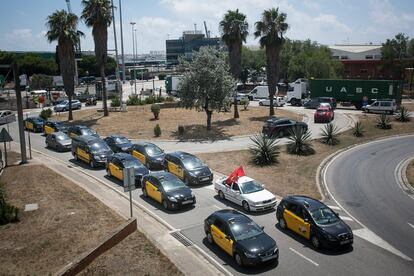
(306, 220)
(262, 227)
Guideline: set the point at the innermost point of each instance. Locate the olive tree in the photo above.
(206, 82)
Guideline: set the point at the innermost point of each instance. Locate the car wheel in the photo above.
(165, 204)
(282, 223)
(260, 103)
(238, 259)
(144, 192)
(221, 195)
(246, 206)
(209, 237)
(315, 242)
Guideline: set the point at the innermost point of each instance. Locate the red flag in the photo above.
(234, 176)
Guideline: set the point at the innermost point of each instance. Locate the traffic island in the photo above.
(410, 173)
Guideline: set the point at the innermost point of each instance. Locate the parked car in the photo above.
(277, 102)
(91, 150)
(240, 237)
(279, 127)
(149, 154)
(259, 92)
(64, 106)
(78, 130)
(246, 192)
(54, 126)
(119, 143)
(382, 106)
(59, 141)
(324, 114)
(119, 161)
(315, 102)
(34, 124)
(7, 116)
(188, 168)
(167, 189)
(314, 221)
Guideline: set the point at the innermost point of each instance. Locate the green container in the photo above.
(356, 91)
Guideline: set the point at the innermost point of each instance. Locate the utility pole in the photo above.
(19, 113)
(116, 54)
(122, 43)
(133, 56)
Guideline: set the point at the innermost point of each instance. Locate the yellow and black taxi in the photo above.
(168, 190)
(118, 143)
(188, 168)
(119, 161)
(240, 237)
(149, 154)
(91, 150)
(34, 124)
(79, 130)
(54, 126)
(314, 221)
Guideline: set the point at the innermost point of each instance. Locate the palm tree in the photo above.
(63, 28)
(234, 30)
(270, 30)
(98, 15)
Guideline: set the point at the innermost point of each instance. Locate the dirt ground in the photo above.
(410, 173)
(69, 222)
(296, 174)
(139, 123)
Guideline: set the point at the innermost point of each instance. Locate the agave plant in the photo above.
(358, 129)
(403, 114)
(330, 134)
(264, 150)
(383, 121)
(299, 141)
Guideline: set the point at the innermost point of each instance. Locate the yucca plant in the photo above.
(330, 134)
(403, 114)
(299, 141)
(264, 150)
(358, 129)
(383, 121)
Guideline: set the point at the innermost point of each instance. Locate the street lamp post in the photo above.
(122, 43)
(133, 55)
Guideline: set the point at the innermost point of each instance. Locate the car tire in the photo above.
(209, 237)
(246, 206)
(144, 192)
(221, 195)
(238, 259)
(165, 204)
(260, 103)
(282, 223)
(315, 242)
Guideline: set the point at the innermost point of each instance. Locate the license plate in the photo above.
(187, 202)
(205, 178)
(345, 242)
(264, 259)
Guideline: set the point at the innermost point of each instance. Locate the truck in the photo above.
(172, 84)
(297, 91)
(259, 92)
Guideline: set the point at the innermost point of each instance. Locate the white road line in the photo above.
(214, 205)
(334, 207)
(346, 218)
(410, 224)
(303, 256)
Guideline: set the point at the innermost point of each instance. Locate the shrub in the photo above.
(299, 141)
(157, 131)
(169, 99)
(8, 213)
(161, 76)
(181, 130)
(403, 114)
(383, 122)
(46, 113)
(358, 129)
(133, 100)
(245, 103)
(150, 100)
(116, 102)
(264, 150)
(330, 134)
(155, 109)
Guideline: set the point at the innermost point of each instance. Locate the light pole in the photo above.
(118, 81)
(133, 55)
(122, 43)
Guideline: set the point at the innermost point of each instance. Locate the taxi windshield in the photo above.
(324, 216)
(132, 163)
(121, 140)
(98, 147)
(250, 187)
(191, 163)
(171, 182)
(88, 131)
(153, 150)
(245, 230)
(62, 137)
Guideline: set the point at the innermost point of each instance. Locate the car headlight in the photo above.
(250, 255)
(192, 174)
(97, 157)
(173, 199)
(192, 194)
(124, 148)
(328, 236)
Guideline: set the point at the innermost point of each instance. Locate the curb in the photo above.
(401, 176)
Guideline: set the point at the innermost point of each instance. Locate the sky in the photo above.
(23, 28)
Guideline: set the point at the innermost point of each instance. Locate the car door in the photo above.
(83, 153)
(115, 168)
(374, 106)
(153, 189)
(234, 193)
(29, 124)
(218, 232)
(136, 152)
(284, 126)
(175, 167)
(48, 129)
(52, 141)
(289, 214)
(302, 221)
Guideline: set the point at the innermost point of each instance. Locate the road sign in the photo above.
(5, 136)
(129, 179)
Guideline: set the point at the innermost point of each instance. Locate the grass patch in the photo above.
(410, 173)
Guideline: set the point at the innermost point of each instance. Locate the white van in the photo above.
(259, 92)
(382, 106)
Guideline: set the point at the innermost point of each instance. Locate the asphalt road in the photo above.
(363, 181)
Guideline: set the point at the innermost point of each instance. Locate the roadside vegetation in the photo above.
(410, 173)
(264, 150)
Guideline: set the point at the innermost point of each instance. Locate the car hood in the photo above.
(158, 158)
(65, 142)
(202, 171)
(258, 244)
(125, 145)
(180, 193)
(104, 153)
(141, 171)
(337, 228)
(259, 196)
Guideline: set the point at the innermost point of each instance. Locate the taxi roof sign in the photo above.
(5, 136)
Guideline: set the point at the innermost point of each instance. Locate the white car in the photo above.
(246, 192)
(386, 106)
(7, 116)
(277, 101)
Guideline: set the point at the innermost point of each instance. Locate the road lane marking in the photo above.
(303, 256)
(334, 207)
(410, 224)
(214, 205)
(346, 218)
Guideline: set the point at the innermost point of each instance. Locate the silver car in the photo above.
(59, 141)
(64, 106)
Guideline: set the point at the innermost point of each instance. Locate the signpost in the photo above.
(5, 137)
(129, 184)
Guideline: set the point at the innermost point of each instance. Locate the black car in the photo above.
(34, 124)
(240, 237)
(116, 163)
(279, 127)
(54, 126)
(59, 141)
(314, 221)
(91, 150)
(188, 168)
(118, 143)
(315, 102)
(78, 130)
(168, 190)
(149, 154)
